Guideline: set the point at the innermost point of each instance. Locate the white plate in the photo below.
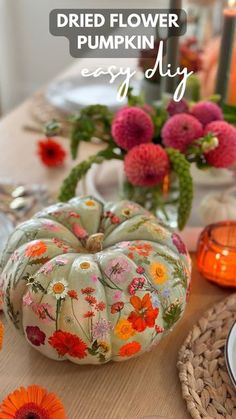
(73, 93)
(230, 353)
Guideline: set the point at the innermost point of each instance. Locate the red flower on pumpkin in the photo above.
(91, 300)
(51, 153)
(67, 343)
(89, 314)
(130, 349)
(144, 315)
(117, 307)
(35, 335)
(73, 294)
(87, 290)
(100, 306)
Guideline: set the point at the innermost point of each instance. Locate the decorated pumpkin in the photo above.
(91, 282)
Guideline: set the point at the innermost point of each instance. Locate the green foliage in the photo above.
(181, 167)
(52, 128)
(94, 120)
(134, 100)
(193, 88)
(159, 118)
(229, 113)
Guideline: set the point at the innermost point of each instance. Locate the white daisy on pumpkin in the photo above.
(85, 266)
(58, 288)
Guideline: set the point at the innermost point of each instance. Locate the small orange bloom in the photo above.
(143, 249)
(38, 248)
(130, 349)
(1, 334)
(32, 402)
(73, 294)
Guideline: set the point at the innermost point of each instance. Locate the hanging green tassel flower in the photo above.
(181, 167)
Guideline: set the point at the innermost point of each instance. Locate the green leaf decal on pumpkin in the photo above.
(40, 261)
(172, 314)
(179, 271)
(137, 225)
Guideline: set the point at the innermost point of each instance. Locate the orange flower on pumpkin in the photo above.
(1, 334)
(38, 248)
(144, 315)
(32, 402)
(143, 249)
(130, 349)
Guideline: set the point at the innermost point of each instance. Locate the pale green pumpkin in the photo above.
(90, 282)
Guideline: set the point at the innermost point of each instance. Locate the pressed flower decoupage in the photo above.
(72, 301)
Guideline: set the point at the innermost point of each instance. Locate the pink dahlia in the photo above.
(224, 155)
(132, 126)
(207, 112)
(174, 107)
(181, 130)
(146, 165)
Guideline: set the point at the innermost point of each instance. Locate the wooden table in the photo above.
(142, 388)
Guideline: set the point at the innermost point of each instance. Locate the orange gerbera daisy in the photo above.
(130, 349)
(32, 402)
(38, 248)
(1, 334)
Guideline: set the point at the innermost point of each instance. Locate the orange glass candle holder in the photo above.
(216, 253)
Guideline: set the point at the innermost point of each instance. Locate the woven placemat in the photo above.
(206, 385)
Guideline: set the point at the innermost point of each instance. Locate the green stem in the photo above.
(69, 185)
(58, 312)
(77, 321)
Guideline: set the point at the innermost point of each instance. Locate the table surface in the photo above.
(141, 388)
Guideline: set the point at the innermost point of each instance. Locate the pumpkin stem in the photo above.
(94, 242)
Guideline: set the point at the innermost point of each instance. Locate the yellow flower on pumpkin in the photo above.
(158, 272)
(124, 329)
(1, 334)
(85, 265)
(104, 346)
(90, 203)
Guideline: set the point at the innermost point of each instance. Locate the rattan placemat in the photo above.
(206, 385)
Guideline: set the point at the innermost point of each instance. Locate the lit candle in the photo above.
(216, 253)
(226, 50)
(173, 52)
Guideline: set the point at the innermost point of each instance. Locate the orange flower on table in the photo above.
(158, 272)
(144, 314)
(1, 334)
(38, 248)
(130, 349)
(32, 402)
(124, 329)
